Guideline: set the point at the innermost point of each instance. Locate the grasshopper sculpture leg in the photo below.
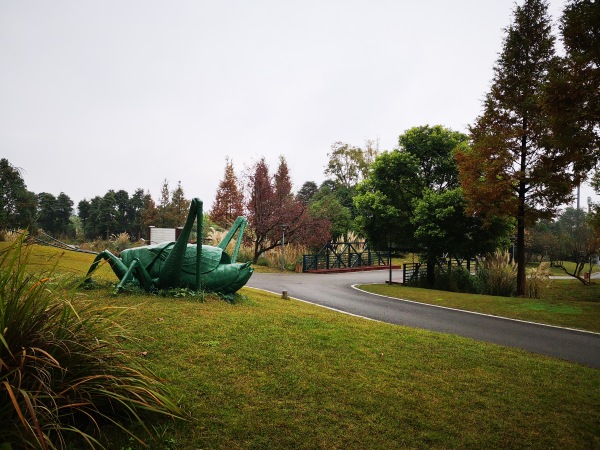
(179, 264)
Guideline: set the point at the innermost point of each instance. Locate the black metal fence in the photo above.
(413, 272)
(341, 255)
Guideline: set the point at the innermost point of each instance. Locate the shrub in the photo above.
(458, 279)
(63, 371)
(497, 275)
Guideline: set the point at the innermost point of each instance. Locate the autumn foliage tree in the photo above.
(513, 167)
(229, 201)
(273, 208)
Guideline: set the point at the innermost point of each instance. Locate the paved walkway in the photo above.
(336, 291)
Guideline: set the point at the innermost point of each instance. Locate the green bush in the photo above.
(63, 371)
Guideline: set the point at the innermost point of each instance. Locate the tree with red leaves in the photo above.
(272, 208)
(229, 201)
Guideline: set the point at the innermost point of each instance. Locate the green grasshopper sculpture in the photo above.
(179, 264)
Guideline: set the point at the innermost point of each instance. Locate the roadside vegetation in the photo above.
(65, 373)
(565, 303)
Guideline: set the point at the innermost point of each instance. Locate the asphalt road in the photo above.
(335, 291)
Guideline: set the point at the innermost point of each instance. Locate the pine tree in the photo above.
(229, 201)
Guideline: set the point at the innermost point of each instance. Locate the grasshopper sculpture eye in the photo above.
(179, 264)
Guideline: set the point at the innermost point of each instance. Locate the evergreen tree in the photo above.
(180, 206)
(47, 212)
(18, 206)
(108, 215)
(164, 210)
(148, 214)
(572, 95)
(512, 168)
(307, 191)
(84, 212)
(229, 201)
(135, 208)
(93, 228)
(63, 213)
(122, 204)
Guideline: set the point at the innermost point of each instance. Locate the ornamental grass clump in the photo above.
(537, 280)
(497, 275)
(64, 373)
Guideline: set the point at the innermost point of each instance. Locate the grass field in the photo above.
(566, 303)
(270, 373)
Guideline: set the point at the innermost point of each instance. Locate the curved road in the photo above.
(335, 291)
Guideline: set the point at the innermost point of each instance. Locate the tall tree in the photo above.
(282, 182)
(93, 228)
(348, 165)
(164, 210)
(47, 212)
(84, 213)
(512, 168)
(572, 96)
(108, 215)
(18, 206)
(272, 209)
(261, 214)
(64, 211)
(148, 214)
(123, 219)
(433, 147)
(229, 201)
(180, 206)
(307, 191)
(386, 197)
(134, 212)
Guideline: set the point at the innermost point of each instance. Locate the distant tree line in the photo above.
(21, 208)
(118, 212)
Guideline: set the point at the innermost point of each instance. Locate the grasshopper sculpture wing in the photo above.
(179, 264)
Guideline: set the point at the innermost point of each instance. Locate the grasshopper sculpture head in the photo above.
(179, 264)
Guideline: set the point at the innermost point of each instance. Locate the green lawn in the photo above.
(566, 303)
(271, 373)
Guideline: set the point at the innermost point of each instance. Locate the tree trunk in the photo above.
(521, 276)
(430, 272)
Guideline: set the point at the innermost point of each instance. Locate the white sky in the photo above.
(99, 95)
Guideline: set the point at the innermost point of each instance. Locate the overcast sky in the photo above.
(99, 95)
